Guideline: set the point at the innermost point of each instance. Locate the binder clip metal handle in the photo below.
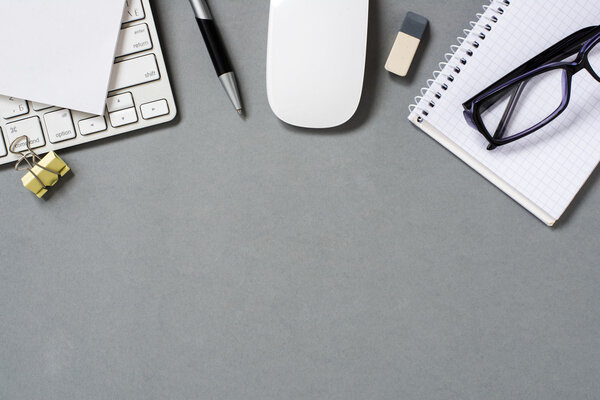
(42, 173)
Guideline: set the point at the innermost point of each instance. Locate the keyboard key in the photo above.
(59, 125)
(30, 127)
(119, 102)
(123, 117)
(39, 106)
(133, 40)
(138, 69)
(3, 151)
(92, 125)
(133, 11)
(134, 72)
(12, 107)
(154, 109)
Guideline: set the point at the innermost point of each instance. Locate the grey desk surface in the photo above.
(222, 258)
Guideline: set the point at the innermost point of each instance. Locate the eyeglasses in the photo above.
(533, 95)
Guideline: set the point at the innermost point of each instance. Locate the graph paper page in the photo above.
(550, 166)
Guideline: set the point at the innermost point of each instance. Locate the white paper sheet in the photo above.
(59, 52)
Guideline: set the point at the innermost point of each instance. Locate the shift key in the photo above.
(134, 72)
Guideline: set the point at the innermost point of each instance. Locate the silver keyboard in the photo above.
(139, 96)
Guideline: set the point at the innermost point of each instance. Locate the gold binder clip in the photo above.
(43, 173)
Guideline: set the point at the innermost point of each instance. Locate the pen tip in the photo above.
(240, 111)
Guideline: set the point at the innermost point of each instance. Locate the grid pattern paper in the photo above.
(551, 165)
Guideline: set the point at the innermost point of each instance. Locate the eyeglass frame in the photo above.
(580, 42)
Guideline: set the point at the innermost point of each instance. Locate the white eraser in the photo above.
(406, 44)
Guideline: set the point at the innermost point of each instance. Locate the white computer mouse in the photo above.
(316, 60)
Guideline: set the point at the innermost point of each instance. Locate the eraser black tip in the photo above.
(414, 25)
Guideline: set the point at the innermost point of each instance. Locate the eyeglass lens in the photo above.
(524, 105)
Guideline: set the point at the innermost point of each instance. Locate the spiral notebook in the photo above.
(544, 171)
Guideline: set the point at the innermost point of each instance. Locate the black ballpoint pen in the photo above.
(217, 52)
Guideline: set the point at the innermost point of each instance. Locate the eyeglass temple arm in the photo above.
(566, 47)
(508, 113)
(563, 49)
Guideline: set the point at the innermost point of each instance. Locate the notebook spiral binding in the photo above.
(458, 57)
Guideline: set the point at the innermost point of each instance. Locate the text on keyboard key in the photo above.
(133, 40)
(59, 125)
(133, 11)
(154, 109)
(3, 151)
(30, 127)
(92, 125)
(123, 117)
(119, 102)
(12, 107)
(134, 72)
